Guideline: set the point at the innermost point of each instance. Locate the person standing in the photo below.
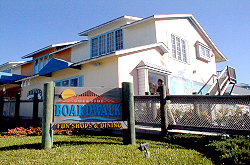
(160, 86)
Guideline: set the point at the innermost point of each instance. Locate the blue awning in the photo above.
(54, 65)
(8, 78)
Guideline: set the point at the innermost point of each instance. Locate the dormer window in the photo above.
(202, 52)
(107, 43)
(40, 62)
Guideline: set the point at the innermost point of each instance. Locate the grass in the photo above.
(93, 150)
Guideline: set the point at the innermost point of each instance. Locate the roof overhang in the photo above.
(54, 65)
(122, 18)
(27, 78)
(71, 46)
(219, 55)
(9, 78)
(11, 64)
(160, 46)
(48, 47)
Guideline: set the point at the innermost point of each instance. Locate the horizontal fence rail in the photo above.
(211, 113)
(22, 101)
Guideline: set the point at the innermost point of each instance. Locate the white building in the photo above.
(174, 48)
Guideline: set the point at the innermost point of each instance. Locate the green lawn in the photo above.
(93, 150)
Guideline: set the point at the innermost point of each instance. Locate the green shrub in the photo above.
(232, 150)
(221, 149)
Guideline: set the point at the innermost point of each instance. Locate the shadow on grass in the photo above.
(37, 146)
(196, 142)
(24, 146)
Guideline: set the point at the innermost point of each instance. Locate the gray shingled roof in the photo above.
(153, 66)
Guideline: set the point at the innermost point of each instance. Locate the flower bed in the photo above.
(31, 131)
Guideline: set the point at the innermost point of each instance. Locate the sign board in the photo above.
(30, 94)
(88, 108)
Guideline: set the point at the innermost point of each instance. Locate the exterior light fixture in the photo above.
(97, 64)
(144, 147)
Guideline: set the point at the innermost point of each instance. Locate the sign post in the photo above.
(48, 104)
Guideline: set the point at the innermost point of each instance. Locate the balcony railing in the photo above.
(220, 81)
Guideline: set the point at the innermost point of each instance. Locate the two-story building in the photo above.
(174, 48)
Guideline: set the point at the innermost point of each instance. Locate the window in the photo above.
(95, 47)
(36, 66)
(74, 82)
(65, 83)
(7, 71)
(118, 39)
(58, 84)
(202, 52)
(102, 44)
(110, 42)
(179, 50)
(40, 62)
(153, 81)
(107, 43)
(184, 52)
(46, 60)
(173, 46)
(70, 82)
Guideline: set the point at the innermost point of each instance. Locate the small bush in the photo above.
(233, 150)
(17, 131)
(62, 132)
(34, 131)
(221, 149)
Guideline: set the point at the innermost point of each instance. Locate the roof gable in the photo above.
(48, 47)
(126, 18)
(219, 55)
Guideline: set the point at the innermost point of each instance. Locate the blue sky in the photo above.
(28, 25)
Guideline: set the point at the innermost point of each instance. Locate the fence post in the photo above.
(197, 112)
(1, 113)
(17, 110)
(128, 113)
(164, 116)
(35, 110)
(48, 104)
